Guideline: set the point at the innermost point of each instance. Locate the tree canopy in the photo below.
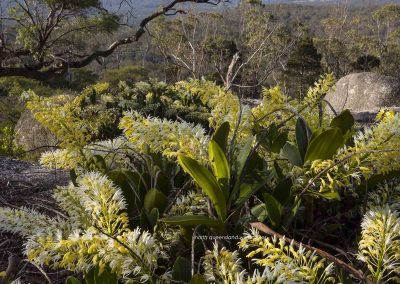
(39, 39)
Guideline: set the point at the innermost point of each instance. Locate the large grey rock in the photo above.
(30, 134)
(365, 92)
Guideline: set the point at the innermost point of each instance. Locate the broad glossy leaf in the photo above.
(344, 121)
(316, 133)
(181, 271)
(332, 195)
(291, 152)
(282, 192)
(148, 220)
(220, 166)
(273, 208)
(72, 280)
(243, 156)
(198, 279)
(221, 136)
(155, 199)
(207, 183)
(242, 159)
(325, 145)
(94, 276)
(248, 190)
(279, 142)
(260, 212)
(192, 220)
(278, 170)
(303, 136)
(163, 183)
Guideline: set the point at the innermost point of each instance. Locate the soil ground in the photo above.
(24, 184)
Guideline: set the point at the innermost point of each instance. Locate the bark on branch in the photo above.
(60, 65)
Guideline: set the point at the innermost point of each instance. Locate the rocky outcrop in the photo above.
(365, 93)
(30, 134)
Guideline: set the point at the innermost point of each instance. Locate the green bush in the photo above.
(128, 73)
(15, 86)
(7, 145)
(163, 201)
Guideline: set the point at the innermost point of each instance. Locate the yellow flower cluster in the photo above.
(95, 232)
(379, 145)
(223, 266)
(115, 152)
(224, 105)
(379, 246)
(277, 108)
(298, 265)
(281, 263)
(154, 135)
(73, 120)
(66, 159)
(26, 222)
(192, 203)
(374, 151)
(273, 106)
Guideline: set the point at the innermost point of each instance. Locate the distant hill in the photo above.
(145, 7)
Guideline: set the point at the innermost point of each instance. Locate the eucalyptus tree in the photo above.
(43, 38)
(239, 48)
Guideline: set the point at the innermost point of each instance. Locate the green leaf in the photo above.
(72, 280)
(73, 176)
(331, 195)
(192, 220)
(243, 156)
(273, 208)
(344, 121)
(260, 212)
(221, 136)
(97, 162)
(325, 145)
(220, 166)
(278, 170)
(129, 183)
(181, 271)
(282, 192)
(148, 220)
(291, 152)
(279, 142)
(198, 279)
(155, 199)
(316, 132)
(207, 183)
(163, 183)
(248, 190)
(303, 135)
(94, 276)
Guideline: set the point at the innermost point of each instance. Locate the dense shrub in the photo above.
(128, 73)
(162, 199)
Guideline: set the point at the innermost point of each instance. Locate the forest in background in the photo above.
(245, 47)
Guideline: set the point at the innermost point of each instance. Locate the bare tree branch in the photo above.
(60, 65)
